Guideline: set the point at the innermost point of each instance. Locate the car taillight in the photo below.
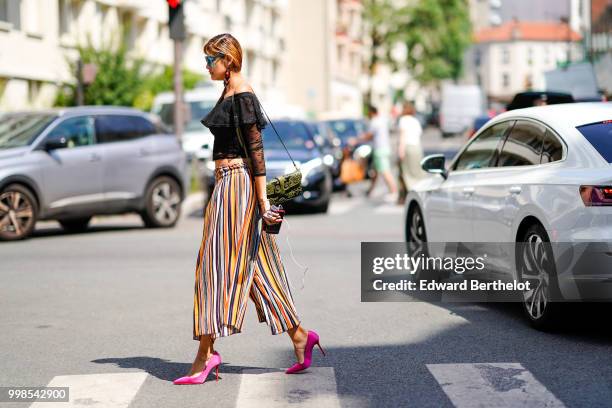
(596, 195)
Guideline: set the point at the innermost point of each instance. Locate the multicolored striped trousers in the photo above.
(237, 260)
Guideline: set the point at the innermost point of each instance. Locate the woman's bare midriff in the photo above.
(225, 162)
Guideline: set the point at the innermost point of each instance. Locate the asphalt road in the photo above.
(108, 313)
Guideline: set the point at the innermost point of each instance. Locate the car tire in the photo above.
(16, 225)
(322, 208)
(535, 263)
(162, 203)
(416, 236)
(75, 224)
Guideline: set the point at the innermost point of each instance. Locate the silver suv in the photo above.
(73, 163)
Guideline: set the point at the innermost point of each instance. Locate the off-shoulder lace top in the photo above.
(220, 121)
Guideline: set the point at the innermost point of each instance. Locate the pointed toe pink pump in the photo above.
(313, 338)
(213, 362)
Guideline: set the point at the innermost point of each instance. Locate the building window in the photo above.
(530, 56)
(505, 80)
(10, 12)
(33, 91)
(68, 13)
(505, 55)
(4, 10)
(477, 57)
(228, 23)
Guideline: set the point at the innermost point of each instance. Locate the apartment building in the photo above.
(38, 36)
(323, 62)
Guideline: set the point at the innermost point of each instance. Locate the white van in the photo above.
(461, 104)
(197, 139)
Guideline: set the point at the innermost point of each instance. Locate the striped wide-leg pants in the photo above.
(237, 260)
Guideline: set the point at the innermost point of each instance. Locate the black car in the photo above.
(299, 141)
(531, 98)
(329, 144)
(345, 129)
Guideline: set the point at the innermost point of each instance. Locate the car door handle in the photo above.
(143, 152)
(468, 190)
(515, 190)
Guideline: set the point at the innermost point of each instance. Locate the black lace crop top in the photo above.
(220, 121)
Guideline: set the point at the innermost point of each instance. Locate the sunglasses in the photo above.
(210, 60)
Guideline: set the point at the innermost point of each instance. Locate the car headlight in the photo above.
(306, 168)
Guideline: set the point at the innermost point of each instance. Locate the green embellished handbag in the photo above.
(281, 188)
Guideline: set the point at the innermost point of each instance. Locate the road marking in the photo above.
(501, 385)
(113, 390)
(389, 209)
(337, 207)
(272, 388)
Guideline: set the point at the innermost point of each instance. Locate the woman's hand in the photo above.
(269, 216)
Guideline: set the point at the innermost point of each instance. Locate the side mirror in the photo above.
(435, 164)
(56, 143)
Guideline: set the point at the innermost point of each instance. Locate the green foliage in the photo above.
(161, 82)
(436, 34)
(120, 80)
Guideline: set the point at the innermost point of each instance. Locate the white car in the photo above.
(197, 139)
(539, 174)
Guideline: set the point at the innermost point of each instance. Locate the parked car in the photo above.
(197, 139)
(539, 174)
(347, 128)
(531, 98)
(299, 141)
(73, 163)
(329, 144)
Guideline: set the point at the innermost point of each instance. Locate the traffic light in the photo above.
(176, 21)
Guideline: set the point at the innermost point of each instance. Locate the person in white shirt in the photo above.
(409, 150)
(378, 132)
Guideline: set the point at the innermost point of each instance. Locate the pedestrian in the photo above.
(378, 132)
(238, 259)
(409, 150)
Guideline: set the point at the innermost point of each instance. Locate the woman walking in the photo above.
(237, 259)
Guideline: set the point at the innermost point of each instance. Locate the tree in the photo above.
(119, 79)
(436, 34)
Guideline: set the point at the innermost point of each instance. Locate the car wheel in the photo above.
(322, 208)
(162, 203)
(75, 224)
(535, 264)
(18, 212)
(416, 236)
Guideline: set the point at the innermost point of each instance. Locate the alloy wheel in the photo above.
(534, 263)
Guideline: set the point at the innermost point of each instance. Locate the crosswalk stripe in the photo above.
(337, 207)
(501, 385)
(112, 390)
(389, 209)
(272, 388)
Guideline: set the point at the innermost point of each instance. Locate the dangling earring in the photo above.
(227, 77)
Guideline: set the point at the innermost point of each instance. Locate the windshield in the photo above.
(198, 109)
(20, 129)
(294, 134)
(600, 136)
(345, 128)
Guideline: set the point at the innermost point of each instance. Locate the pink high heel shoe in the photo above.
(313, 338)
(213, 362)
